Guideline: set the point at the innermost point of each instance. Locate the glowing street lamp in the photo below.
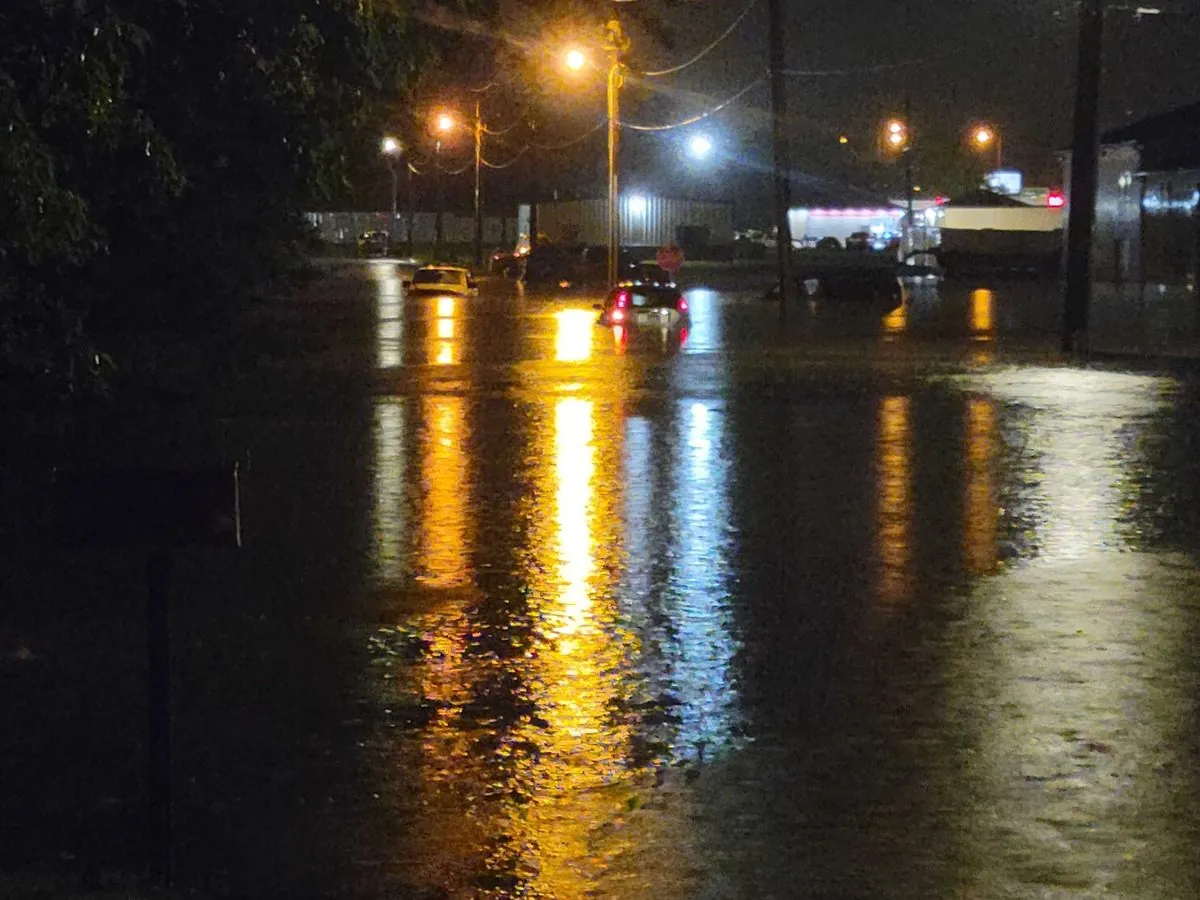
(896, 134)
(575, 59)
(444, 122)
(616, 44)
(984, 137)
(391, 148)
(700, 146)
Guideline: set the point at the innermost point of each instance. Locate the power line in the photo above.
(703, 53)
(514, 158)
(694, 119)
(573, 141)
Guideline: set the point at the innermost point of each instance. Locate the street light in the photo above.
(575, 59)
(391, 149)
(615, 44)
(984, 137)
(444, 122)
(700, 146)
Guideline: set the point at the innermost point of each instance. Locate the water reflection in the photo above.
(980, 514)
(389, 314)
(894, 495)
(445, 498)
(573, 333)
(1078, 431)
(445, 350)
(896, 321)
(705, 329)
(705, 647)
(983, 320)
(390, 504)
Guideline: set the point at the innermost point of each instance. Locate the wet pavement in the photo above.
(862, 605)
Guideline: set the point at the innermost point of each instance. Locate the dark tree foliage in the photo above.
(155, 158)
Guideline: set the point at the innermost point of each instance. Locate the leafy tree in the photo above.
(157, 156)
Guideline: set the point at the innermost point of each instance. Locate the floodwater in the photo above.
(862, 605)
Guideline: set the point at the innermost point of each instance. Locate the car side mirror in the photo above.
(472, 283)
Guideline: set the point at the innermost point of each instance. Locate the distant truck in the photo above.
(996, 251)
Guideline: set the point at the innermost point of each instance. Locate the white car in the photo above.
(442, 280)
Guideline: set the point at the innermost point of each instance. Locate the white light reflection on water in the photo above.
(702, 666)
(388, 495)
(705, 328)
(1077, 440)
(389, 314)
(1068, 667)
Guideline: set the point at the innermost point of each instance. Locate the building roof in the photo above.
(987, 199)
(1169, 140)
(814, 192)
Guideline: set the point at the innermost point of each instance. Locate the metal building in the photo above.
(1148, 202)
(646, 221)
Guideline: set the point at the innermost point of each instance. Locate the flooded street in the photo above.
(861, 606)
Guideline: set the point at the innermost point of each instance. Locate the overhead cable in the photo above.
(704, 115)
(573, 141)
(703, 53)
(512, 160)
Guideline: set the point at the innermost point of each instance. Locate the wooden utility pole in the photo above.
(1084, 165)
(779, 146)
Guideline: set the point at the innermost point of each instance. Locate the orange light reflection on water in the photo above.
(895, 498)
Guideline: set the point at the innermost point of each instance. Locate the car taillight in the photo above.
(618, 315)
(622, 300)
(682, 305)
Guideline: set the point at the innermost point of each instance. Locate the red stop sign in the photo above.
(670, 258)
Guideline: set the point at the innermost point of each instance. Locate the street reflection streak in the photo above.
(388, 496)
(573, 334)
(983, 321)
(444, 484)
(389, 313)
(706, 647)
(894, 493)
(574, 469)
(896, 322)
(444, 349)
(979, 516)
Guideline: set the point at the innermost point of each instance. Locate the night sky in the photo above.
(1007, 62)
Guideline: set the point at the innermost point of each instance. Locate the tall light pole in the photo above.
(615, 44)
(779, 147)
(1085, 153)
(444, 123)
(478, 206)
(392, 149)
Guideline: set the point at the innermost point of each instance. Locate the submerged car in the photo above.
(373, 243)
(644, 305)
(442, 280)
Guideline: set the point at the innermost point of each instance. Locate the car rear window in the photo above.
(639, 296)
(435, 276)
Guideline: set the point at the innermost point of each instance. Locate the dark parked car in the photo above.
(373, 243)
(876, 286)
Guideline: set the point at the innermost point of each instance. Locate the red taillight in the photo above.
(682, 305)
(1056, 200)
(622, 300)
(618, 315)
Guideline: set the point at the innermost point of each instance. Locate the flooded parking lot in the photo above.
(863, 605)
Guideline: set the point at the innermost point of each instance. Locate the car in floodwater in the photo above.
(641, 305)
(373, 243)
(442, 280)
